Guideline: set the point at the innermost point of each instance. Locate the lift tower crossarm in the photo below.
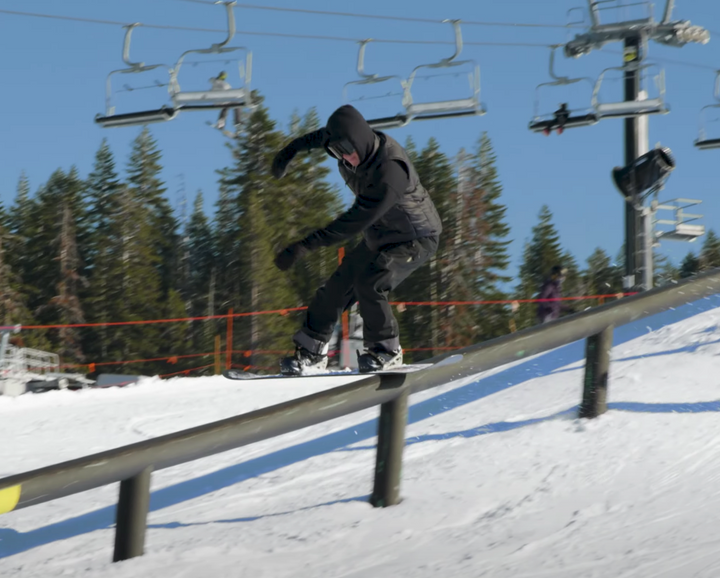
(676, 33)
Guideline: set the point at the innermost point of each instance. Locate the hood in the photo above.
(347, 123)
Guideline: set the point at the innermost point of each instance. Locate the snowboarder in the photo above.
(400, 228)
(551, 289)
(220, 82)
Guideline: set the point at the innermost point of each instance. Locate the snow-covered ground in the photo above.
(499, 478)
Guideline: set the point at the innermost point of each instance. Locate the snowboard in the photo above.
(237, 374)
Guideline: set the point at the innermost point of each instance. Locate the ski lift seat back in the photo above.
(632, 108)
(702, 142)
(564, 117)
(468, 106)
(110, 119)
(399, 120)
(215, 99)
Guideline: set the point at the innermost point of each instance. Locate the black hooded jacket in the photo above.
(391, 205)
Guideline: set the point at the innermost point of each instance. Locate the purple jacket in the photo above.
(549, 310)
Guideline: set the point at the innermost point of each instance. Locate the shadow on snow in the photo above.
(13, 542)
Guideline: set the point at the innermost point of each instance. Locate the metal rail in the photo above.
(132, 465)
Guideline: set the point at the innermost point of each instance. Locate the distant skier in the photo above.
(220, 82)
(551, 289)
(562, 115)
(400, 228)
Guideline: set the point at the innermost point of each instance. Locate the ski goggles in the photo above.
(339, 148)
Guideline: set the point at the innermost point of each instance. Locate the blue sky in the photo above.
(55, 73)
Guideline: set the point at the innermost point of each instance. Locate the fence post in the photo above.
(217, 355)
(344, 354)
(131, 516)
(229, 339)
(390, 445)
(597, 366)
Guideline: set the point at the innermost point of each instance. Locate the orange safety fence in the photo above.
(186, 371)
(172, 359)
(292, 309)
(169, 358)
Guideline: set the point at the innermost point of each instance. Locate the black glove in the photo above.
(282, 160)
(290, 254)
(304, 143)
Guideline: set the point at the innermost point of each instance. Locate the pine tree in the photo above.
(258, 202)
(22, 227)
(431, 327)
(485, 246)
(572, 286)
(690, 266)
(103, 196)
(19, 263)
(710, 252)
(310, 203)
(67, 301)
(226, 227)
(150, 243)
(602, 276)
(12, 303)
(200, 269)
(54, 265)
(105, 255)
(664, 271)
(411, 149)
(144, 170)
(540, 255)
(140, 286)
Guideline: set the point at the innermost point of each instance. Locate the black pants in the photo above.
(365, 277)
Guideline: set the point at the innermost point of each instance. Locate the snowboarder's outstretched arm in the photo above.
(312, 140)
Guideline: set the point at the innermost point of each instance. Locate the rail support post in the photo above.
(131, 517)
(391, 442)
(597, 366)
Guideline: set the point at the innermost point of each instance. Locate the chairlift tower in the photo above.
(634, 34)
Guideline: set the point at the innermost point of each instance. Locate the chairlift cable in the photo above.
(317, 37)
(108, 22)
(381, 17)
(275, 34)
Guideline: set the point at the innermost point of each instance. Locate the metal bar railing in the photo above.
(132, 465)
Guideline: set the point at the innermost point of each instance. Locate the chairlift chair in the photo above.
(110, 118)
(596, 6)
(469, 106)
(632, 108)
(215, 99)
(683, 229)
(397, 121)
(702, 142)
(563, 117)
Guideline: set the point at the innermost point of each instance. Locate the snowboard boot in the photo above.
(303, 363)
(379, 359)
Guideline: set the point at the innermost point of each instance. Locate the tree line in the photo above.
(109, 247)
